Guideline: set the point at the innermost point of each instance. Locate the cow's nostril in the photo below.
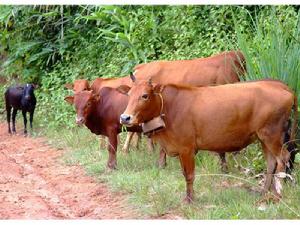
(124, 118)
(79, 120)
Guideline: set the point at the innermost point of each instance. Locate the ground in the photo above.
(36, 184)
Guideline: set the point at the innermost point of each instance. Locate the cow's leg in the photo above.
(224, 167)
(150, 145)
(127, 142)
(282, 160)
(102, 142)
(14, 114)
(136, 140)
(31, 118)
(187, 162)
(162, 162)
(112, 150)
(277, 155)
(271, 166)
(25, 121)
(8, 113)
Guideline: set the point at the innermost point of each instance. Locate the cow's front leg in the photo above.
(112, 150)
(187, 161)
(25, 121)
(127, 142)
(162, 162)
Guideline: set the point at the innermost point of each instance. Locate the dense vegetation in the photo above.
(53, 45)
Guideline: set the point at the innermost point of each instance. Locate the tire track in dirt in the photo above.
(35, 184)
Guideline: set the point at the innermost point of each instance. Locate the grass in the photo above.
(156, 192)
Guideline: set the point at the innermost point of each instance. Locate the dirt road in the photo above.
(36, 184)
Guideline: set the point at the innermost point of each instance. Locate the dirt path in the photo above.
(35, 184)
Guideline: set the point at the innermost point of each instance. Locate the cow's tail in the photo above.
(290, 137)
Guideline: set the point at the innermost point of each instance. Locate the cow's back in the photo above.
(226, 117)
(13, 96)
(99, 83)
(219, 69)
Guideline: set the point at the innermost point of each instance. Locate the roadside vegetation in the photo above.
(54, 45)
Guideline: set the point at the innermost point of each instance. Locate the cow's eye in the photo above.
(145, 96)
(88, 104)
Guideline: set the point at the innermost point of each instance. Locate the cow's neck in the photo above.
(94, 120)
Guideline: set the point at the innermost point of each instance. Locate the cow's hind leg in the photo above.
(8, 114)
(224, 166)
(25, 121)
(271, 167)
(187, 162)
(277, 155)
(14, 114)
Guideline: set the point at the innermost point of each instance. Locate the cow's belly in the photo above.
(227, 143)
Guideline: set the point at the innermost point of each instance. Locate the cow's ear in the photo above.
(69, 99)
(158, 88)
(69, 86)
(35, 86)
(123, 89)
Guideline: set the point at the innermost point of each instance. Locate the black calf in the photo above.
(20, 98)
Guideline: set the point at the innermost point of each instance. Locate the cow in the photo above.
(215, 70)
(78, 85)
(20, 97)
(223, 118)
(97, 84)
(100, 113)
(223, 68)
(226, 67)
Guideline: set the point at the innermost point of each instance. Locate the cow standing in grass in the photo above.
(223, 118)
(20, 98)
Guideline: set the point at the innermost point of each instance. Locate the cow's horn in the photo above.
(132, 77)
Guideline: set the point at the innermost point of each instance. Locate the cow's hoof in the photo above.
(161, 165)
(188, 200)
(112, 166)
(268, 198)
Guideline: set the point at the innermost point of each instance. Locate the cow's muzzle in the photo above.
(125, 119)
(80, 120)
(27, 97)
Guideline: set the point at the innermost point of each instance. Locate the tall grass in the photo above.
(274, 50)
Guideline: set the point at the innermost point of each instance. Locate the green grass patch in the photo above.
(156, 192)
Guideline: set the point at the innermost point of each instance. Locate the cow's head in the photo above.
(79, 85)
(84, 102)
(144, 102)
(28, 92)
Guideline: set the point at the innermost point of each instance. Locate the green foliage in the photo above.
(275, 49)
(273, 52)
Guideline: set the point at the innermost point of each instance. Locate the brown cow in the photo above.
(98, 83)
(223, 118)
(219, 69)
(101, 113)
(79, 85)
(215, 70)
